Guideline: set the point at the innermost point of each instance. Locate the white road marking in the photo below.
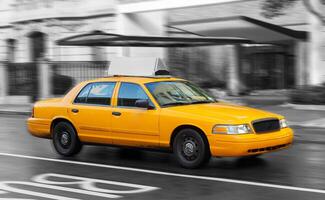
(5, 185)
(90, 184)
(2, 192)
(225, 180)
(87, 187)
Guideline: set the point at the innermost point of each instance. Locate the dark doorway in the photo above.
(267, 67)
(37, 45)
(271, 71)
(268, 70)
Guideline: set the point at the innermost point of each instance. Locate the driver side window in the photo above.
(129, 93)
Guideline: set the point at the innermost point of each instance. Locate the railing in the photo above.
(66, 74)
(23, 79)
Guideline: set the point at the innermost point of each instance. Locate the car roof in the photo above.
(136, 79)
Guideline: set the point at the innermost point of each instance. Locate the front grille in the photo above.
(266, 125)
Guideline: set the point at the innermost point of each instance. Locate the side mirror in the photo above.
(143, 103)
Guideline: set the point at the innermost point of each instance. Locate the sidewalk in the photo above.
(13, 109)
(258, 100)
(295, 117)
(298, 117)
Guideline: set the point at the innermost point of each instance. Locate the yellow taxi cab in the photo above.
(157, 112)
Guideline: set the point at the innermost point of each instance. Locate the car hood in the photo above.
(223, 112)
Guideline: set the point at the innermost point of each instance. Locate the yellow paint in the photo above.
(139, 127)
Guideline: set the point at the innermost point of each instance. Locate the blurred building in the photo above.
(278, 60)
(29, 28)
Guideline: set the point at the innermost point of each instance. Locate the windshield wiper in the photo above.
(175, 103)
(198, 102)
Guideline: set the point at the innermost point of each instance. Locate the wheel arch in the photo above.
(188, 126)
(61, 119)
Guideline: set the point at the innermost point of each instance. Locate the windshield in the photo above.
(168, 93)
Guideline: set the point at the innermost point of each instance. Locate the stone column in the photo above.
(301, 63)
(44, 75)
(317, 39)
(233, 79)
(3, 81)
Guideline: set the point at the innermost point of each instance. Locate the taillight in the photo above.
(33, 110)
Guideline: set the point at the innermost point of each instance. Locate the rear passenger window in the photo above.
(96, 93)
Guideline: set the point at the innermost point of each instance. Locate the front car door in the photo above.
(131, 125)
(91, 112)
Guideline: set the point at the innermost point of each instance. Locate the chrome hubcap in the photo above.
(189, 148)
(64, 138)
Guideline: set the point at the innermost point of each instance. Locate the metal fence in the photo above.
(67, 74)
(23, 79)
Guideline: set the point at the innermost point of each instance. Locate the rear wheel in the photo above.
(190, 149)
(65, 139)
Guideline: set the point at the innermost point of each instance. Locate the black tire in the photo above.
(65, 139)
(255, 156)
(191, 149)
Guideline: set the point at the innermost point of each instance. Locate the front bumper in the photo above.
(250, 144)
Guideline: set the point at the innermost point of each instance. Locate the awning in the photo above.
(107, 39)
(240, 26)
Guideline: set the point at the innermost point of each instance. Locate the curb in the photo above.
(307, 126)
(15, 112)
(304, 107)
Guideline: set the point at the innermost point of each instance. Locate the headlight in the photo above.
(283, 123)
(231, 129)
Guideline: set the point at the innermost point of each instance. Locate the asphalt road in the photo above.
(30, 169)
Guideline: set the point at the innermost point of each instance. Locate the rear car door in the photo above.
(131, 125)
(91, 112)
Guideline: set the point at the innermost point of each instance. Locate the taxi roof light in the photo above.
(151, 67)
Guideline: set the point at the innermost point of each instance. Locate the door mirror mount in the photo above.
(143, 103)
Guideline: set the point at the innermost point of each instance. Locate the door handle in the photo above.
(74, 110)
(116, 113)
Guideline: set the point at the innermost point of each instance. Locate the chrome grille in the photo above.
(266, 125)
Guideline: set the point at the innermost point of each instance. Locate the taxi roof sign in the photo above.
(138, 66)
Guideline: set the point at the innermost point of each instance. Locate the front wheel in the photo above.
(255, 156)
(65, 139)
(190, 149)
